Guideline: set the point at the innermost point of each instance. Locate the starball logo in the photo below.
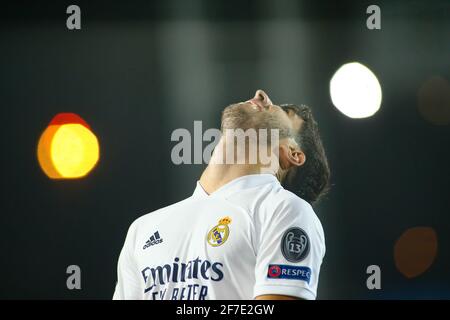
(157, 278)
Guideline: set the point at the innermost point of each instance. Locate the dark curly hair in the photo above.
(312, 179)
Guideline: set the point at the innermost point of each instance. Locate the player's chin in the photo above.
(243, 106)
(235, 111)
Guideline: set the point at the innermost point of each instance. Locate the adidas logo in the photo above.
(154, 239)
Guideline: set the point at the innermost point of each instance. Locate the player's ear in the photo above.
(291, 156)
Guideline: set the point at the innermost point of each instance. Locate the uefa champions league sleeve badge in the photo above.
(295, 244)
(218, 235)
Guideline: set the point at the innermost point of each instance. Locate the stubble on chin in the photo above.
(235, 117)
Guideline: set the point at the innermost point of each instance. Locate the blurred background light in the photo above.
(138, 70)
(67, 148)
(355, 91)
(434, 100)
(415, 251)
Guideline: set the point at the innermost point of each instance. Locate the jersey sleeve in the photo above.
(290, 249)
(129, 285)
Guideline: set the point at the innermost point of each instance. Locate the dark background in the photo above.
(138, 70)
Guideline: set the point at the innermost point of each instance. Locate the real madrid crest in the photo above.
(218, 235)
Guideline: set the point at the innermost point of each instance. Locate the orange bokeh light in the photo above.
(67, 148)
(415, 251)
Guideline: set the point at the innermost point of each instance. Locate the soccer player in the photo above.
(248, 231)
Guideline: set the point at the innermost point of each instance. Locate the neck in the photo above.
(218, 173)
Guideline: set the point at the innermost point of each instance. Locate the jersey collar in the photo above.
(236, 185)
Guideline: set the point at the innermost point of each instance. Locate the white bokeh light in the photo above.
(355, 91)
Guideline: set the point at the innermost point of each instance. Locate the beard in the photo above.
(240, 116)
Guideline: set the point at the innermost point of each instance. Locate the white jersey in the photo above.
(249, 238)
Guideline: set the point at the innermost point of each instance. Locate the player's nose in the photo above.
(262, 98)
